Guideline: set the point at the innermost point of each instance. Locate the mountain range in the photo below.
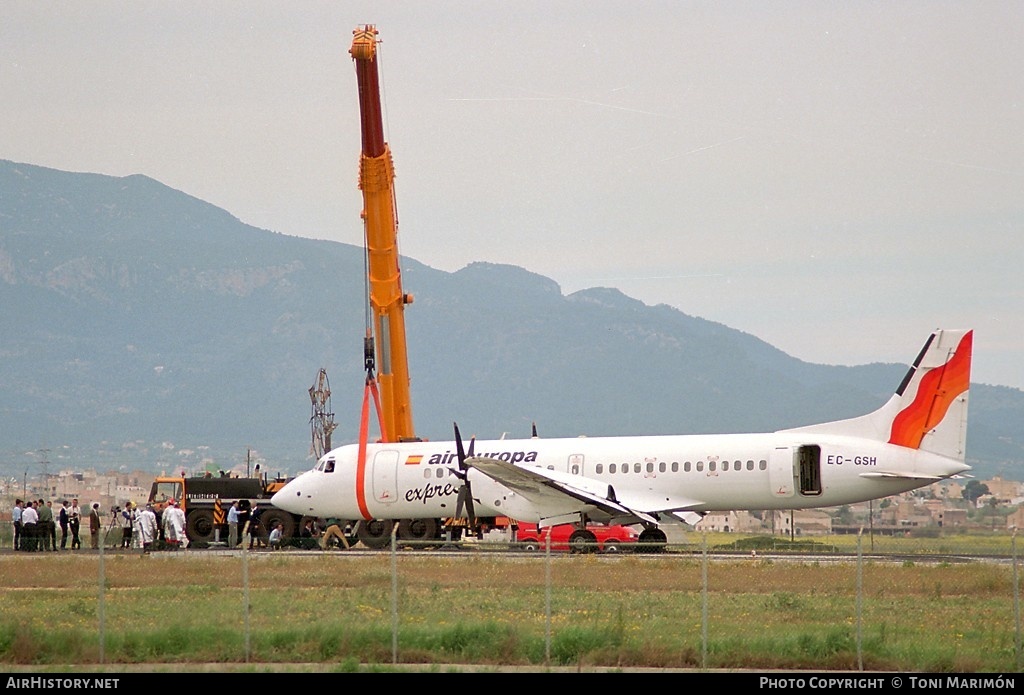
(144, 328)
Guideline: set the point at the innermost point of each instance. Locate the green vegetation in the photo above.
(914, 541)
(335, 610)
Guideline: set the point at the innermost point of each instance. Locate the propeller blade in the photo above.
(458, 448)
(465, 498)
(470, 511)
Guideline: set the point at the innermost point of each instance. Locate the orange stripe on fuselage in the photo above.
(937, 391)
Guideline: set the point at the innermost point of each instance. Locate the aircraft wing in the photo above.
(549, 488)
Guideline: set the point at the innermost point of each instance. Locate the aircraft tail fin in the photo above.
(929, 409)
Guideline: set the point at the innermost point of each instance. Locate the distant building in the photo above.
(1005, 491)
(805, 522)
(1015, 520)
(718, 522)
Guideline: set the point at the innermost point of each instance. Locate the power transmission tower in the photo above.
(321, 421)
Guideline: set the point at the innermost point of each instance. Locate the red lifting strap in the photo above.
(364, 432)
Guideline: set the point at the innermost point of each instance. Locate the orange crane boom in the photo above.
(380, 223)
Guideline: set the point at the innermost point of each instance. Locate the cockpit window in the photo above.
(329, 466)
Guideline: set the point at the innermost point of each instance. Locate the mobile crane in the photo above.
(384, 348)
(380, 222)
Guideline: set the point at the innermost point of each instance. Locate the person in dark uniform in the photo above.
(63, 518)
(255, 525)
(75, 523)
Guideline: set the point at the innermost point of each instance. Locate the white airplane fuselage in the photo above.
(721, 472)
(915, 438)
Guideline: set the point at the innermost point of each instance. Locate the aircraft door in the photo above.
(575, 464)
(780, 472)
(385, 476)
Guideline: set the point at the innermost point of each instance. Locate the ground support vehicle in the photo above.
(206, 500)
(570, 537)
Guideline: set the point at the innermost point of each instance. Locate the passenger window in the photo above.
(661, 467)
(762, 464)
(611, 467)
(636, 467)
(725, 465)
(426, 472)
(440, 473)
(750, 465)
(675, 466)
(650, 467)
(686, 467)
(700, 466)
(712, 465)
(600, 468)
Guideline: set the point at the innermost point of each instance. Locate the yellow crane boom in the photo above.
(380, 223)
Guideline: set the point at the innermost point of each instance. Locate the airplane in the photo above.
(916, 438)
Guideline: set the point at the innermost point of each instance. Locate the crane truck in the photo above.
(385, 347)
(205, 499)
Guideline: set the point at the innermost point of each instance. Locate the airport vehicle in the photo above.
(385, 351)
(914, 439)
(205, 498)
(601, 538)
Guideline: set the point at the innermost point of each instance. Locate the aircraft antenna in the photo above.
(321, 419)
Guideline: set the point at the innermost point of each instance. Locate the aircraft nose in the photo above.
(289, 498)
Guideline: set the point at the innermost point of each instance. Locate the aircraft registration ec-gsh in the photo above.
(915, 439)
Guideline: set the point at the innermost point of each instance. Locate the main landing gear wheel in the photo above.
(417, 529)
(375, 534)
(582, 541)
(651, 540)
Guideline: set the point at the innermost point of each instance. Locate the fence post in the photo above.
(704, 601)
(860, 594)
(547, 600)
(102, 606)
(394, 593)
(1016, 599)
(245, 598)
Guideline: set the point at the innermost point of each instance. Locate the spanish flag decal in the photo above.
(413, 460)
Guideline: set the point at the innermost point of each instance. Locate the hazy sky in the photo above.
(837, 179)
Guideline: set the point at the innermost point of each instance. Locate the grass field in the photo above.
(628, 611)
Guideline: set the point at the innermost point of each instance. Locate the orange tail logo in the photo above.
(938, 389)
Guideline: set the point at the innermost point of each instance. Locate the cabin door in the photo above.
(385, 476)
(781, 472)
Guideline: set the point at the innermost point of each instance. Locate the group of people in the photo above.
(314, 533)
(35, 526)
(141, 530)
(243, 522)
(139, 527)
